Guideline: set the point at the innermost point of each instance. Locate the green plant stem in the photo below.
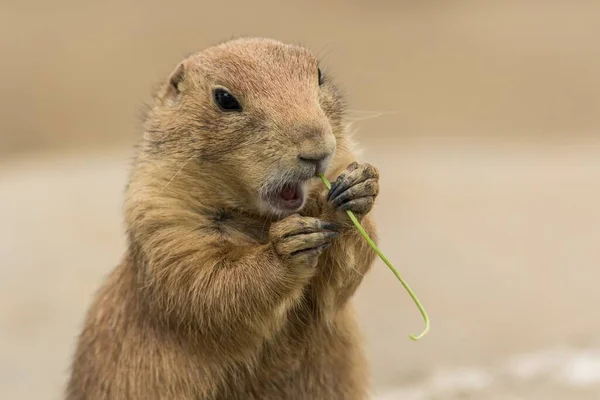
(389, 264)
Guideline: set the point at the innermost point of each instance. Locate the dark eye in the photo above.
(226, 101)
(320, 77)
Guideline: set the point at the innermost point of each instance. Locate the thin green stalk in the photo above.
(389, 264)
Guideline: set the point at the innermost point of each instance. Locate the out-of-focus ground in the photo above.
(488, 146)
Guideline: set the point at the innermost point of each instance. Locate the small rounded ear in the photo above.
(175, 85)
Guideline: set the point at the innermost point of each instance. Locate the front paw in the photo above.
(355, 189)
(299, 241)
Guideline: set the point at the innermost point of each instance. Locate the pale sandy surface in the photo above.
(489, 149)
(501, 244)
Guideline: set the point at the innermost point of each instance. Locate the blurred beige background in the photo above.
(483, 116)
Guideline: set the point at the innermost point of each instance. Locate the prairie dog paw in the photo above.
(300, 240)
(355, 189)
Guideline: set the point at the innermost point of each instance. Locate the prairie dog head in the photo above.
(258, 114)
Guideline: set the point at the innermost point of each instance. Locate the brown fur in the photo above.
(214, 300)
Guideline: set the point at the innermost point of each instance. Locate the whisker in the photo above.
(366, 115)
(178, 171)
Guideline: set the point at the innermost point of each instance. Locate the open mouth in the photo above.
(290, 197)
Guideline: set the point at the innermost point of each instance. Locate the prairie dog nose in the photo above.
(316, 146)
(315, 158)
(320, 160)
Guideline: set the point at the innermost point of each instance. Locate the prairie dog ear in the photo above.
(176, 83)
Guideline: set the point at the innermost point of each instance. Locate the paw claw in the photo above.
(330, 226)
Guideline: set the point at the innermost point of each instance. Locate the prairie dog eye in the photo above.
(226, 101)
(320, 77)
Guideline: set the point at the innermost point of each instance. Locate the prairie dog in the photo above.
(237, 280)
